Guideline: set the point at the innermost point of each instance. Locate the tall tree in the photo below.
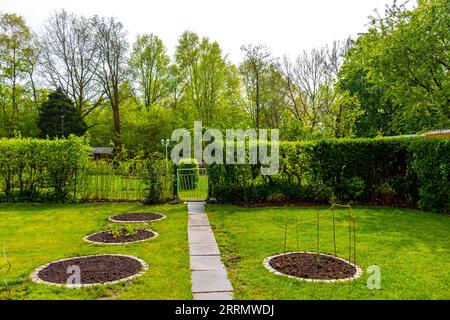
(58, 117)
(149, 64)
(256, 62)
(176, 85)
(205, 69)
(111, 46)
(310, 83)
(406, 54)
(16, 51)
(69, 60)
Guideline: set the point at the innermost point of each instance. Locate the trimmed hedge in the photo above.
(431, 163)
(36, 169)
(391, 171)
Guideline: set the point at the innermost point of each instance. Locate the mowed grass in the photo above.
(37, 234)
(412, 249)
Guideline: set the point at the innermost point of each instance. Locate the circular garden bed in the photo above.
(309, 266)
(121, 237)
(93, 270)
(137, 217)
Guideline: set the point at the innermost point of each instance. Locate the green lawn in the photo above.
(412, 248)
(37, 234)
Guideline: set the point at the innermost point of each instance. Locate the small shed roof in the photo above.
(437, 134)
(102, 150)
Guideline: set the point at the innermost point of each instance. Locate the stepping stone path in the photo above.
(209, 276)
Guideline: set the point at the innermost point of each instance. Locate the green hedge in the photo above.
(36, 169)
(431, 163)
(160, 179)
(394, 171)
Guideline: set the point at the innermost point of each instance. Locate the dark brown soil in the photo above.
(305, 265)
(122, 237)
(138, 217)
(97, 269)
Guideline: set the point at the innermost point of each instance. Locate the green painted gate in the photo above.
(192, 184)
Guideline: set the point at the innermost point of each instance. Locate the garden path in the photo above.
(209, 276)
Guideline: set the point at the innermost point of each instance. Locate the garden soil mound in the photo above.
(121, 237)
(308, 266)
(94, 269)
(138, 217)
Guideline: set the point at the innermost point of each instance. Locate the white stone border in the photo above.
(357, 275)
(141, 221)
(35, 275)
(120, 243)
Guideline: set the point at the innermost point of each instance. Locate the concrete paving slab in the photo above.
(206, 263)
(201, 237)
(210, 281)
(214, 296)
(198, 222)
(203, 249)
(199, 229)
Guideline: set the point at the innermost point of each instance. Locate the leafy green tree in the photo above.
(58, 117)
(406, 54)
(207, 76)
(16, 56)
(378, 110)
(149, 65)
(341, 116)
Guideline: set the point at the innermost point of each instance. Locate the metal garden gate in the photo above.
(192, 184)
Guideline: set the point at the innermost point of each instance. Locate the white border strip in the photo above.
(139, 221)
(357, 275)
(120, 243)
(35, 278)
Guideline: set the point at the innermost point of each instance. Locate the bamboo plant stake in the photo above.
(354, 240)
(349, 236)
(334, 231)
(318, 240)
(285, 236)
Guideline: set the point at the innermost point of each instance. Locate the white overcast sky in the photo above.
(285, 26)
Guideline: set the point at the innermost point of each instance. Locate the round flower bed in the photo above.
(123, 237)
(309, 266)
(92, 270)
(137, 217)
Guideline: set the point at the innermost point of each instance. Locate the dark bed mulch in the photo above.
(97, 269)
(138, 217)
(304, 265)
(122, 237)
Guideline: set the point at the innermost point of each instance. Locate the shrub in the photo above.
(30, 167)
(160, 179)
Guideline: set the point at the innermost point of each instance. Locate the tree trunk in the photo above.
(116, 115)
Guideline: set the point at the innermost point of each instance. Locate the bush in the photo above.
(160, 179)
(33, 168)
